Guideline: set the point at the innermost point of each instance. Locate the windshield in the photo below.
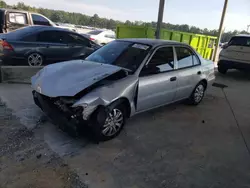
(124, 54)
(95, 32)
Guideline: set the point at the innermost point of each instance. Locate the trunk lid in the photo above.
(238, 53)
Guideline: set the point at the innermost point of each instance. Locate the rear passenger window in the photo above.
(19, 18)
(196, 60)
(30, 38)
(51, 37)
(186, 58)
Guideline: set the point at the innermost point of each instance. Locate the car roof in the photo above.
(21, 11)
(46, 28)
(19, 33)
(152, 42)
(242, 35)
(17, 10)
(14, 10)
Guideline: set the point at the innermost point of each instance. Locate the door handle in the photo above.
(199, 72)
(173, 79)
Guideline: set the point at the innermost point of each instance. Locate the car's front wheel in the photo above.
(198, 93)
(108, 122)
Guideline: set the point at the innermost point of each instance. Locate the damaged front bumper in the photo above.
(67, 118)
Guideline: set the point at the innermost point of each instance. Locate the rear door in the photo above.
(188, 71)
(238, 49)
(53, 45)
(15, 20)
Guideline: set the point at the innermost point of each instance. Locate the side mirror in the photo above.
(148, 70)
(94, 45)
(224, 46)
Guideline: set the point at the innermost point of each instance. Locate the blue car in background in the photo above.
(41, 45)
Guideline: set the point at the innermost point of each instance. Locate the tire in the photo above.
(35, 59)
(222, 69)
(105, 125)
(198, 94)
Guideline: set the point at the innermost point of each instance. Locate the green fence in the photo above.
(203, 44)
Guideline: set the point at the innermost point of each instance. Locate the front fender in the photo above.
(105, 95)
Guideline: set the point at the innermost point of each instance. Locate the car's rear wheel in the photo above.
(107, 123)
(35, 59)
(222, 69)
(198, 94)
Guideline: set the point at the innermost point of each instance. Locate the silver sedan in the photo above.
(119, 80)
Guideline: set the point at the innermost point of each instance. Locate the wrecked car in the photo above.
(119, 80)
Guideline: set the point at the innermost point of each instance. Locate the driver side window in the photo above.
(162, 61)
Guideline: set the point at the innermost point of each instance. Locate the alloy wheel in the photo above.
(113, 122)
(35, 59)
(199, 93)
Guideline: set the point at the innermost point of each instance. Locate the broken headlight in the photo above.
(68, 100)
(78, 110)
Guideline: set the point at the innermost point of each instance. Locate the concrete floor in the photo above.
(175, 146)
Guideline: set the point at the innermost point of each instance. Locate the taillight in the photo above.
(6, 45)
(91, 38)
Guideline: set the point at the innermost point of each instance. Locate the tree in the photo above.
(3, 4)
(96, 21)
(22, 6)
(111, 24)
(55, 17)
(128, 22)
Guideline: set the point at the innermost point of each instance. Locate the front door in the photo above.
(188, 71)
(158, 80)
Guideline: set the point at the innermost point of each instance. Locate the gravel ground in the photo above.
(26, 161)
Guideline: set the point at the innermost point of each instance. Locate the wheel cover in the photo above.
(35, 59)
(113, 122)
(199, 92)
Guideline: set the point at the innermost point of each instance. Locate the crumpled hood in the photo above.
(71, 77)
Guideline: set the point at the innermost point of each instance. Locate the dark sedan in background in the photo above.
(41, 45)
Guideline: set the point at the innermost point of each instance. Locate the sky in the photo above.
(199, 13)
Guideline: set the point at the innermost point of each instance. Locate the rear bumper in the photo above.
(65, 120)
(10, 59)
(234, 65)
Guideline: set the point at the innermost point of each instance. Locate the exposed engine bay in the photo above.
(64, 104)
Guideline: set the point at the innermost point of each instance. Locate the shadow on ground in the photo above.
(174, 146)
